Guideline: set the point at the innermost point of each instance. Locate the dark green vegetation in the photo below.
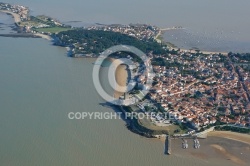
(239, 57)
(52, 29)
(242, 60)
(44, 20)
(134, 126)
(96, 41)
(44, 24)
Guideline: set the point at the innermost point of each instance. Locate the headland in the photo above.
(198, 93)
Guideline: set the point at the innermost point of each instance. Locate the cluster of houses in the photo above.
(140, 31)
(160, 120)
(22, 11)
(26, 21)
(240, 121)
(199, 98)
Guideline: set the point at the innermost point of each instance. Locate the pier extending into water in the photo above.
(168, 145)
(172, 28)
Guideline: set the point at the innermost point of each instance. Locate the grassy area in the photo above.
(53, 29)
(170, 129)
(29, 23)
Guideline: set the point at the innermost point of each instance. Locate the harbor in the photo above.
(184, 144)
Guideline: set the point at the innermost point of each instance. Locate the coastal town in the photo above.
(202, 89)
(21, 11)
(139, 31)
(128, 83)
(37, 25)
(198, 90)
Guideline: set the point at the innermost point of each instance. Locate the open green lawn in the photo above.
(149, 125)
(53, 29)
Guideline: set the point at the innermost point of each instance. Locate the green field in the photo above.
(52, 30)
(170, 129)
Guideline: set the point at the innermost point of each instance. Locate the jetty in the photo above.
(168, 145)
(172, 28)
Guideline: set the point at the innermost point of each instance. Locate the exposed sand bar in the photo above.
(15, 16)
(244, 138)
(214, 150)
(228, 155)
(121, 76)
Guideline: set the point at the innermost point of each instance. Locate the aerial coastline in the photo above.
(47, 35)
(156, 34)
(15, 16)
(17, 20)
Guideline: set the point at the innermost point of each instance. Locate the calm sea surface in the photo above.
(40, 85)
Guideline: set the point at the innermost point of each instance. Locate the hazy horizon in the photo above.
(222, 21)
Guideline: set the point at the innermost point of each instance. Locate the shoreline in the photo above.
(214, 148)
(194, 51)
(122, 71)
(47, 37)
(17, 19)
(121, 76)
(239, 137)
(160, 39)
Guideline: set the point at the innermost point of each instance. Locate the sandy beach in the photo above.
(224, 152)
(194, 51)
(244, 138)
(15, 16)
(219, 148)
(47, 37)
(215, 150)
(121, 76)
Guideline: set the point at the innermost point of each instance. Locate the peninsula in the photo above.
(198, 90)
